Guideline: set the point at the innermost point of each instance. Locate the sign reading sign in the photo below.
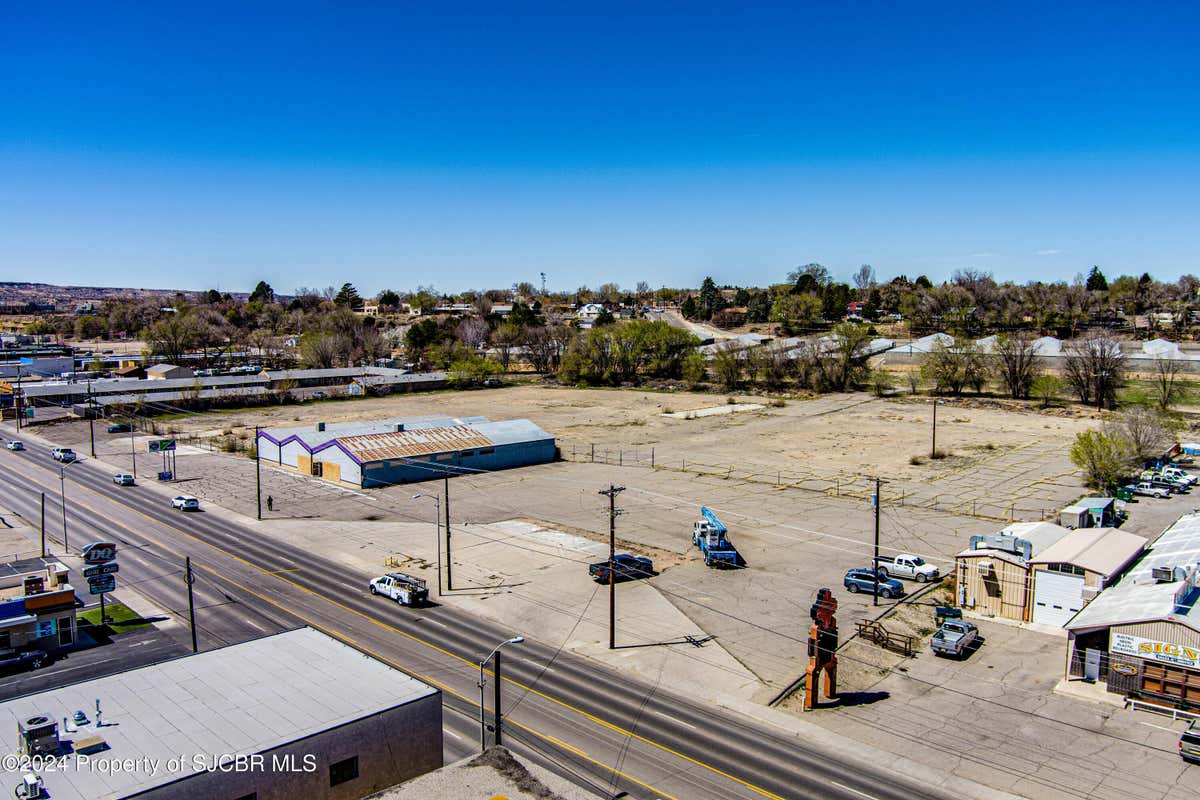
(1165, 652)
(1124, 668)
(101, 569)
(99, 552)
(102, 584)
(161, 445)
(47, 627)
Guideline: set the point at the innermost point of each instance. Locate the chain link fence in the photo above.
(859, 487)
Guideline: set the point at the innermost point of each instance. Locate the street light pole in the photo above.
(437, 520)
(482, 683)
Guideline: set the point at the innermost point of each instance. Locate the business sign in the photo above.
(161, 445)
(47, 627)
(102, 584)
(1165, 652)
(1124, 668)
(111, 568)
(99, 553)
(6, 388)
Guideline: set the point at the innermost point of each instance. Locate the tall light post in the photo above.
(62, 493)
(496, 675)
(437, 520)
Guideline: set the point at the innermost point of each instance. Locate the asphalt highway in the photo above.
(605, 730)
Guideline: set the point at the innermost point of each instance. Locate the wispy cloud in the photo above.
(1048, 252)
(984, 255)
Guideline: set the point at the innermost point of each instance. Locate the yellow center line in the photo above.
(391, 628)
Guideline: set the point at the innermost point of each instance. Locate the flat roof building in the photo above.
(406, 450)
(303, 715)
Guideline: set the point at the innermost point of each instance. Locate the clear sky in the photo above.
(473, 145)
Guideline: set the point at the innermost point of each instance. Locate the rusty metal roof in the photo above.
(420, 442)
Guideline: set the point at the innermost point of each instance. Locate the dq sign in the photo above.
(99, 553)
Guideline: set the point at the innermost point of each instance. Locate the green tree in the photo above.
(212, 297)
(1016, 363)
(263, 293)
(348, 296)
(834, 301)
(689, 308)
(923, 283)
(1046, 388)
(1096, 282)
(951, 366)
(471, 370)
(796, 313)
(388, 299)
(605, 317)
(758, 307)
(710, 299)
(1105, 459)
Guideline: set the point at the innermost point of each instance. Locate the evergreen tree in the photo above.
(1096, 282)
(348, 296)
(688, 307)
(263, 293)
(710, 299)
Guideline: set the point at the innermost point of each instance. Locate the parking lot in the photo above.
(522, 539)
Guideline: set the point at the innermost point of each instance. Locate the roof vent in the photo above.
(1164, 574)
(320, 426)
(399, 427)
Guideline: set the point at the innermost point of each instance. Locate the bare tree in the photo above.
(953, 366)
(1016, 363)
(472, 332)
(1094, 368)
(1147, 432)
(1166, 381)
(864, 278)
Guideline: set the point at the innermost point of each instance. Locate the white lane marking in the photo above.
(665, 715)
(855, 791)
(451, 733)
(253, 624)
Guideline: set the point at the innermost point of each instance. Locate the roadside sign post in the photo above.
(100, 569)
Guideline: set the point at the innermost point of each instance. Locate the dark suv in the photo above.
(863, 580)
(625, 567)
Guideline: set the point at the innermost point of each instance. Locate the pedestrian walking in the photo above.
(270, 503)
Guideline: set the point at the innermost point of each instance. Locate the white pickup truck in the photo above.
(907, 566)
(404, 589)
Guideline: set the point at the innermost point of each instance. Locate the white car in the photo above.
(185, 502)
(15, 445)
(123, 479)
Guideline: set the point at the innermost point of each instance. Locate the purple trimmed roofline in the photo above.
(310, 450)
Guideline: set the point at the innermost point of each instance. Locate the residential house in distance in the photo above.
(163, 372)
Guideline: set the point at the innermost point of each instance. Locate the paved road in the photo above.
(604, 729)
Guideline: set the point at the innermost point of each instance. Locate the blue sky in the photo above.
(469, 146)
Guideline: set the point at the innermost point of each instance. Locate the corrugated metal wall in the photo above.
(383, 473)
(1162, 631)
(1003, 593)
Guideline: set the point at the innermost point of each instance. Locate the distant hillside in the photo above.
(66, 298)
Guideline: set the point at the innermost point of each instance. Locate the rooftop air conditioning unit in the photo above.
(37, 735)
(1162, 574)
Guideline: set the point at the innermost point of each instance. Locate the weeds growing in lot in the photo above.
(731, 400)
(668, 410)
(938, 454)
(916, 461)
(778, 402)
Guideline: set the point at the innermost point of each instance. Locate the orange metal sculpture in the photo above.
(822, 648)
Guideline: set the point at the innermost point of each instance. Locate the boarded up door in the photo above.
(304, 464)
(333, 471)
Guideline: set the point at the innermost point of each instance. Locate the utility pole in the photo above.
(875, 571)
(132, 449)
(933, 444)
(496, 689)
(611, 492)
(189, 579)
(19, 399)
(91, 412)
(257, 472)
(62, 493)
(449, 558)
(43, 524)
